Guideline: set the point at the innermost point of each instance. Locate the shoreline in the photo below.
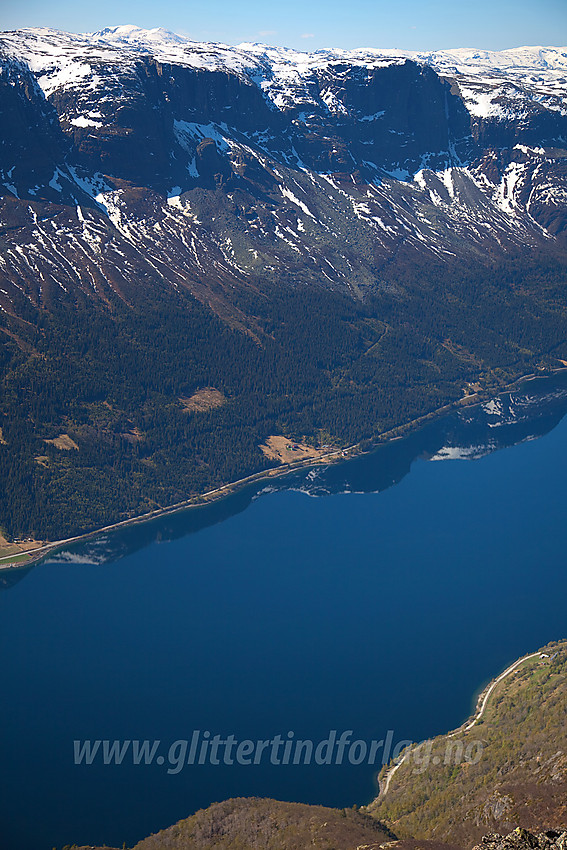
(35, 556)
(481, 706)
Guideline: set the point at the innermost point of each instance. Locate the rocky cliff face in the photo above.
(381, 226)
(522, 839)
(221, 166)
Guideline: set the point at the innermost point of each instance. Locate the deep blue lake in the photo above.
(383, 604)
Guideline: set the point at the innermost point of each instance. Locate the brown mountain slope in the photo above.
(257, 824)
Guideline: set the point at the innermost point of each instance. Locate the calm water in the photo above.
(374, 607)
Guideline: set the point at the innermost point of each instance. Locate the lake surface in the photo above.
(384, 604)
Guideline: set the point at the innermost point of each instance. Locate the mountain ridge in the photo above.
(336, 245)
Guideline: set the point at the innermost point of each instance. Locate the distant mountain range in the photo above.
(336, 241)
(396, 154)
(331, 245)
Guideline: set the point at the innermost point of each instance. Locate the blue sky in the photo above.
(407, 24)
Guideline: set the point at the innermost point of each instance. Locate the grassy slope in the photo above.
(520, 779)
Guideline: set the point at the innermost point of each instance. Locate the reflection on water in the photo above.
(8, 578)
(467, 434)
(357, 612)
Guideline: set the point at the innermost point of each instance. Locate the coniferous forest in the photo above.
(312, 364)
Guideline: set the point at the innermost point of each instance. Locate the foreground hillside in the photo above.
(520, 779)
(496, 783)
(326, 245)
(257, 824)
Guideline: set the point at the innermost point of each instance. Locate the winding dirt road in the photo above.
(467, 725)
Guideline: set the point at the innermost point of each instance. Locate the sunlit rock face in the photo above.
(221, 165)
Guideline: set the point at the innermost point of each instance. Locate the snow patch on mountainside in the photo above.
(493, 84)
(335, 214)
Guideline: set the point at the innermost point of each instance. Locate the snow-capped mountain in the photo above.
(336, 243)
(538, 74)
(128, 153)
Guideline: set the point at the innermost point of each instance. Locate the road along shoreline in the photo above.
(481, 706)
(336, 455)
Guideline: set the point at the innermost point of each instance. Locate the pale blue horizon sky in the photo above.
(404, 24)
